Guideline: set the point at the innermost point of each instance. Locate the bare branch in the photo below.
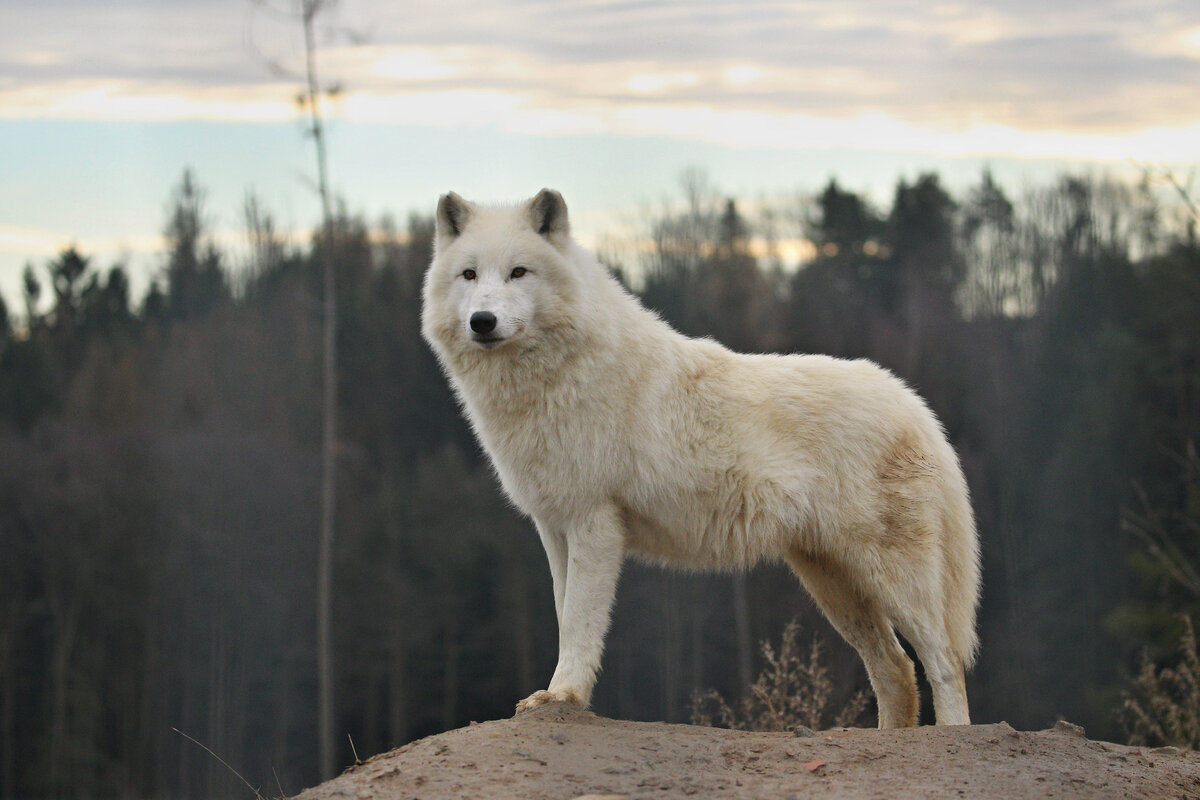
(223, 763)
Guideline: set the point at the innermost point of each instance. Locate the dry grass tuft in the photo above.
(792, 691)
(1163, 705)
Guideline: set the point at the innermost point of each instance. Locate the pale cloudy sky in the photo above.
(102, 105)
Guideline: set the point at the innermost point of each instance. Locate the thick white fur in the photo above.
(617, 434)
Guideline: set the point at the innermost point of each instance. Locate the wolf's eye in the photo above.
(517, 272)
(468, 274)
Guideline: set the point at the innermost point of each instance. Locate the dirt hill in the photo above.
(558, 752)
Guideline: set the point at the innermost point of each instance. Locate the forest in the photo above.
(159, 471)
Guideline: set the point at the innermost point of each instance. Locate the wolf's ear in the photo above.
(452, 215)
(548, 216)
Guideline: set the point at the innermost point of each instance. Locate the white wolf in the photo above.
(616, 433)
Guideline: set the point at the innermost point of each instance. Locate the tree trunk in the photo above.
(60, 774)
(522, 622)
(8, 745)
(397, 695)
(741, 627)
(670, 666)
(325, 671)
(450, 673)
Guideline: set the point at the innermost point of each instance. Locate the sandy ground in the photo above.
(558, 752)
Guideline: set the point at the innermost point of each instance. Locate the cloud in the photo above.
(953, 74)
(21, 239)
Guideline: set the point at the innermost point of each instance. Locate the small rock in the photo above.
(1167, 751)
(1004, 729)
(803, 731)
(1069, 728)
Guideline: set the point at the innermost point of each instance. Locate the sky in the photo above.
(104, 105)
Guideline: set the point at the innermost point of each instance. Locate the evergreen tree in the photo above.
(921, 231)
(844, 223)
(196, 281)
(31, 290)
(848, 279)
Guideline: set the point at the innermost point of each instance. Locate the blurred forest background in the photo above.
(159, 476)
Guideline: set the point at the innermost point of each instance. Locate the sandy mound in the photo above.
(558, 752)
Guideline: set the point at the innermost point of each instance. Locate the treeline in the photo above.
(159, 476)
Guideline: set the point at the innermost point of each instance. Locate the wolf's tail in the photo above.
(961, 584)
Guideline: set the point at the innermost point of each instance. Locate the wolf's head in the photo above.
(499, 276)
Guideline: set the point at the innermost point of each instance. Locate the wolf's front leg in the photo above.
(555, 544)
(595, 548)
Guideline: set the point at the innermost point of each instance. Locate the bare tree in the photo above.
(307, 12)
(325, 675)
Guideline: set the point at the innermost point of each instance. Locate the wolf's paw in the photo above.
(541, 698)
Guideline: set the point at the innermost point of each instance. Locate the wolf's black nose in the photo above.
(483, 322)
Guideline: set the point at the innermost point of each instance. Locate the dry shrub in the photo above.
(792, 691)
(1163, 705)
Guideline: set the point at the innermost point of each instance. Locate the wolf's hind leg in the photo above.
(862, 623)
(943, 669)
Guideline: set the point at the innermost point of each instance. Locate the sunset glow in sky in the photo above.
(103, 107)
